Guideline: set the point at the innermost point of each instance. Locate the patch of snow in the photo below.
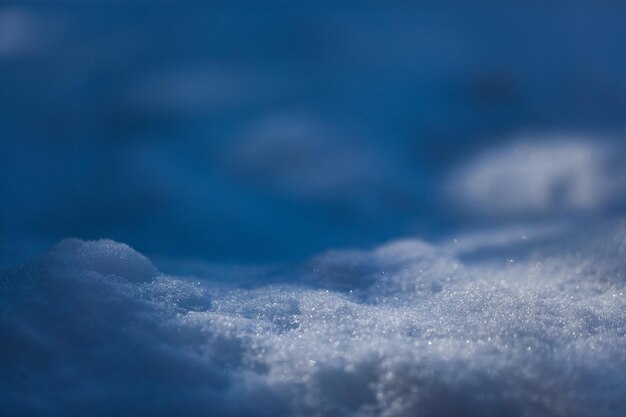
(404, 329)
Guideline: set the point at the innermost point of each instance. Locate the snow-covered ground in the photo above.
(407, 328)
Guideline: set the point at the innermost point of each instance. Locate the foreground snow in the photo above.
(92, 328)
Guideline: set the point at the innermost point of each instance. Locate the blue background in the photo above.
(269, 131)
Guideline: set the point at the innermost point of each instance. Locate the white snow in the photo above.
(531, 176)
(408, 328)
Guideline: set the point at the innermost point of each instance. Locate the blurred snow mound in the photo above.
(405, 329)
(400, 268)
(531, 177)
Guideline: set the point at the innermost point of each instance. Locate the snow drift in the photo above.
(409, 328)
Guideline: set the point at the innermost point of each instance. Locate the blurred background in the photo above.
(268, 131)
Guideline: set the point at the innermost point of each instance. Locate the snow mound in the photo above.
(530, 177)
(104, 257)
(405, 329)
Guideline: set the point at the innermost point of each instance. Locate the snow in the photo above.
(238, 148)
(104, 257)
(408, 328)
(539, 175)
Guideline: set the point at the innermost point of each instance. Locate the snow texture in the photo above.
(515, 326)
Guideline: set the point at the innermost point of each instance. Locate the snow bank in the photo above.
(408, 328)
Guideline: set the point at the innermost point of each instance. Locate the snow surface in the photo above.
(524, 326)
